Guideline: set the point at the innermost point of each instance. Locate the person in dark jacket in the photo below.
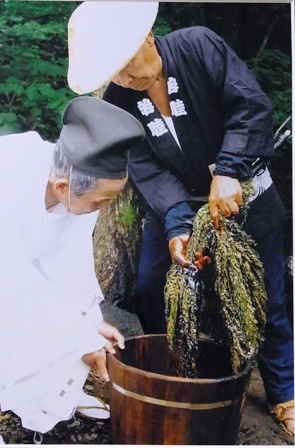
(204, 113)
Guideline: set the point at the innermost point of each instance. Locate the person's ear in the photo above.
(62, 186)
(150, 39)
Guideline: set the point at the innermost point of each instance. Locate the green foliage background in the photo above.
(33, 60)
(33, 54)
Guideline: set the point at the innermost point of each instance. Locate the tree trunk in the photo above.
(117, 240)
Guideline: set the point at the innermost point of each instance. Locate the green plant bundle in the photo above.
(239, 288)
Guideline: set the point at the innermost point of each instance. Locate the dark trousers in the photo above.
(275, 358)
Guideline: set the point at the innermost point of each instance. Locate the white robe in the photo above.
(48, 290)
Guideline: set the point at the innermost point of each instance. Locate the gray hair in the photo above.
(80, 183)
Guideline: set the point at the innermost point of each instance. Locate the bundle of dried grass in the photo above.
(239, 287)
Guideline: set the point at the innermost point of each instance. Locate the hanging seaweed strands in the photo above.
(232, 310)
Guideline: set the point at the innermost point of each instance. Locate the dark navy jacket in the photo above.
(220, 114)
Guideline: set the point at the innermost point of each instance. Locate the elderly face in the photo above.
(98, 197)
(143, 69)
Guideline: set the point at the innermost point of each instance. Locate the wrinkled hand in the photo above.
(97, 360)
(225, 197)
(178, 247)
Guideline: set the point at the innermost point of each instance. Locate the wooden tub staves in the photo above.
(149, 404)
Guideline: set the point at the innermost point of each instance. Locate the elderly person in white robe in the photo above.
(51, 328)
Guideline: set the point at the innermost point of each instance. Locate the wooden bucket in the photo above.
(150, 405)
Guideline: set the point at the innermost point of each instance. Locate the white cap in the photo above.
(102, 37)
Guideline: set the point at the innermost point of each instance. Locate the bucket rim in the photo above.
(177, 378)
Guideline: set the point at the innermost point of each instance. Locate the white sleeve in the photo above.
(36, 322)
(40, 322)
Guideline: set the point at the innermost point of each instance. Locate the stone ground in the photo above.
(257, 426)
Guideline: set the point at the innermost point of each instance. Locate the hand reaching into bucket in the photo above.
(97, 360)
(178, 248)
